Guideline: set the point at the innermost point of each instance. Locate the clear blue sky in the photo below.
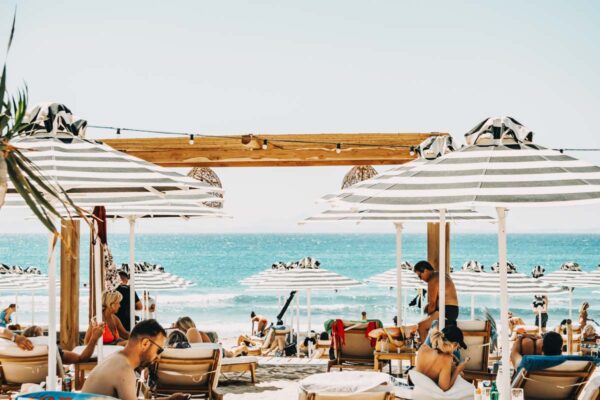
(315, 66)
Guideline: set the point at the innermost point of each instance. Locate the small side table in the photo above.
(410, 356)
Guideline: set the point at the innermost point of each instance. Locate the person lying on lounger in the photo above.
(70, 357)
(21, 341)
(187, 327)
(550, 344)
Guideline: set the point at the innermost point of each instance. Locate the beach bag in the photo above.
(290, 349)
(390, 343)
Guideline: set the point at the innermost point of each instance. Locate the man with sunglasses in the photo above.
(426, 273)
(116, 376)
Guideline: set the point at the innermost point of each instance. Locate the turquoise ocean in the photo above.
(216, 263)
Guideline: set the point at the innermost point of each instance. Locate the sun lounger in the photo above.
(563, 381)
(353, 349)
(426, 389)
(194, 370)
(240, 365)
(477, 336)
(347, 385)
(19, 366)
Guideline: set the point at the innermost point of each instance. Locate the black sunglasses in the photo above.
(160, 348)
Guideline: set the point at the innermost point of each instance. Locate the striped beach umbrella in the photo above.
(85, 167)
(500, 167)
(308, 279)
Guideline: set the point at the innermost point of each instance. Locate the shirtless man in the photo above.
(116, 375)
(425, 272)
(437, 361)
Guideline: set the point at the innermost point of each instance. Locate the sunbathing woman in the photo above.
(187, 326)
(114, 332)
(583, 314)
(437, 361)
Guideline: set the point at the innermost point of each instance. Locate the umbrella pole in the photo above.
(571, 304)
(51, 380)
(298, 326)
(308, 313)
(472, 306)
(504, 378)
(398, 273)
(442, 270)
(98, 293)
(32, 307)
(308, 307)
(18, 307)
(131, 272)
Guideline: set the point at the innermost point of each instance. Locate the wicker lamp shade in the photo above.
(208, 176)
(358, 174)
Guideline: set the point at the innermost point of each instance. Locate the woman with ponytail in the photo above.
(435, 357)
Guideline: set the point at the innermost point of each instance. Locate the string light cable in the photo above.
(337, 146)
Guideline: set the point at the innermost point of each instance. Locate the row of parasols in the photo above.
(467, 281)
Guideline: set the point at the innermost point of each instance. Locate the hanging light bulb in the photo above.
(265, 144)
(338, 148)
(412, 151)
(192, 139)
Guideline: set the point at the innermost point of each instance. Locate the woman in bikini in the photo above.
(114, 332)
(437, 361)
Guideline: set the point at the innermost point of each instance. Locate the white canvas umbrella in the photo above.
(308, 279)
(85, 168)
(499, 167)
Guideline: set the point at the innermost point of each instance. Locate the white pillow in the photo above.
(426, 389)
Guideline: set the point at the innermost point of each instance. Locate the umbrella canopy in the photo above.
(156, 279)
(389, 278)
(519, 284)
(568, 272)
(84, 167)
(298, 279)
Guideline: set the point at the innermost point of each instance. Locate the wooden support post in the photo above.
(69, 284)
(433, 245)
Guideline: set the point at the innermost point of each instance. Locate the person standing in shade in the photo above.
(540, 308)
(124, 311)
(6, 315)
(425, 272)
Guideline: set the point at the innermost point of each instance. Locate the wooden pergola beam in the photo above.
(294, 150)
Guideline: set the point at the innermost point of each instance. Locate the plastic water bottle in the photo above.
(67, 383)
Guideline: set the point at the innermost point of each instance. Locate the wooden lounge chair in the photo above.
(240, 365)
(565, 381)
(355, 350)
(477, 336)
(19, 366)
(194, 370)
